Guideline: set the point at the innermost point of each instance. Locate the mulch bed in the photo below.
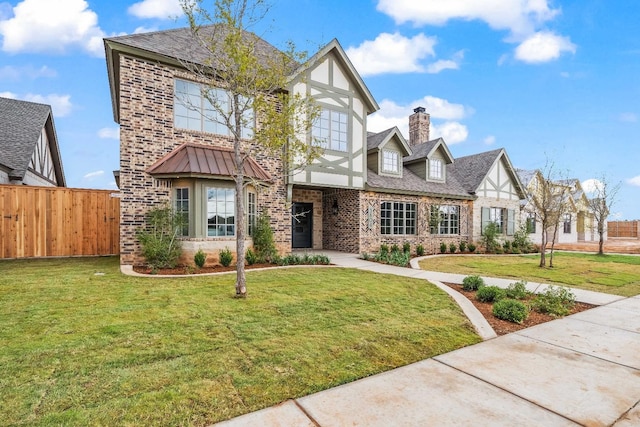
(503, 327)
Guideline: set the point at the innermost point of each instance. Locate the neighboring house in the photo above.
(366, 189)
(29, 152)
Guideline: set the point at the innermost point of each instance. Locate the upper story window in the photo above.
(194, 111)
(435, 169)
(390, 161)
(330, 130)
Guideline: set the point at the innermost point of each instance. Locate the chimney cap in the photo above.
(419, 110)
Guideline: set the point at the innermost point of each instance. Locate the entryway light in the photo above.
(334, 208)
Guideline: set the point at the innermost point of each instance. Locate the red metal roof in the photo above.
(194, 159)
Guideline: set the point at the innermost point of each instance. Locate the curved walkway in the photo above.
(583, 369)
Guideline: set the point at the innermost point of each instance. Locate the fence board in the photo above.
(52, 221)
(629, 229)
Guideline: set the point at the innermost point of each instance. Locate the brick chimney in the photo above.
(419, 123)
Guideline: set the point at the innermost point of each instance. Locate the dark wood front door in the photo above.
(302, 225)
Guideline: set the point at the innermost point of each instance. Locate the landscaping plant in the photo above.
(472, 247)
(517, 290)
(462, 246)
(490, 294)
(161, 246)
(420, 250)
(225, 257)
(200, 258)
(489, 237)
(263, 243)
(555, 300)
(452, 248)
(406, 248)
(443, 248)
(472, 283)
(510, 310)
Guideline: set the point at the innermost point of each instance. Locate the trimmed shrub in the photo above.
(251, 257)
(506, 246)
(490, 294)
(200, 258)
(443, 248)
(263, 243)
(225, 257)
(420, 250)
(400, 259)
(556, 301)
(472, 283)
(384, 250)
(510, 310)
(453, 247)
(406, 248)
(462, 246)
(472, 247)
(395, 248)
(517, 290)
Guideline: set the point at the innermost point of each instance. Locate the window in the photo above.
(330, 130)
(251, 213)
(435, 169)
(182, 209)
(504, 218)
(495, 215)
(445, 219)
(193, 111)
(389, 161)
(531, 223)
(397, 218)
(220, 212)
(567, 223)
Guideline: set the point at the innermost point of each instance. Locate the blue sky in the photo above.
(557, 79)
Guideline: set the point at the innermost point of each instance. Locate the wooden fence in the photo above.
(53, 221)
(628, 229)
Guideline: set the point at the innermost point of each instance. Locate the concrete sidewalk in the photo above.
(580, 370)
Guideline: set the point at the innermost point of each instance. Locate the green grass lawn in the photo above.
(80, 348)
(613, 274)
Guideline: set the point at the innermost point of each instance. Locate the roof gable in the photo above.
(473, 170)
(377, 141)
(427, 149)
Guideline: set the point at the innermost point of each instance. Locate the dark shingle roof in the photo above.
(375, 139)
(526, 176)
(412, 184)
(420, 151)
(21, 123)
(471, 170)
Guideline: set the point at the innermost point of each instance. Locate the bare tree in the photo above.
(600, 203)
(246, 83)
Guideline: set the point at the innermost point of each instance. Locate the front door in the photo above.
(302, 225)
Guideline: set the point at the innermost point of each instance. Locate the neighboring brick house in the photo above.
(366, 189)
(29, 152)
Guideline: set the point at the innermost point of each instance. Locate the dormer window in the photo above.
(435, 169)
(390, 163)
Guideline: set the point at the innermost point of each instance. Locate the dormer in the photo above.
(385, 151)
(429, 160)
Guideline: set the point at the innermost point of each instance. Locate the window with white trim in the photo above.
(398, 218)
(221, 210)
(251, 213)
(435, 169)
(330, 130)
(390, 161)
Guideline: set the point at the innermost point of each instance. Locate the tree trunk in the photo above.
(553, 242)
(600, 240)
(543, 247)
(241, 280)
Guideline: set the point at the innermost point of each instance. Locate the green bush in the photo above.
(453, 247)
(472, 247)
(161, 246)
(406, 248)
(521, 238)
(489, 237)
(384, 250)
(200, 258)
(510, 310)
(263, 243)
(365, 256)
(472, 283)
(395, 248)
(306, 259)
(251, 257)
(517, 290)
(225, 256)
(420, 250)
(490, 294)
(462, 246)
(399, 258)
(506, 246)
(443, 248)
(555, 300)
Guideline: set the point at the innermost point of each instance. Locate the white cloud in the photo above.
(628, 117)
(634, 181)
(60, 104)
(517, 16)
(391, 53)
(592, 185)
(9, 95)
(140, 30)
(109, 133)
(543, 46)
(446, 64)
(451, 132)
(45, 26)
(9, 72)
(489, 140)
(162, 9)
(92, 175)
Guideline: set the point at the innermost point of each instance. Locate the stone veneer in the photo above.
(147, 134)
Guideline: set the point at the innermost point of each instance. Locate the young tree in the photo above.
(603, 197)
(246, 82)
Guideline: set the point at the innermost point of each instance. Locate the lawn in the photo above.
(83, 344)
(612, 274)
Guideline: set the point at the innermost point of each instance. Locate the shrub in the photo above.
(453, 247)
(510, 310)
(472, 247)
(506, 246)
(306, 259)
(443, 247)
(399, 258)
(225, 257)
(384, 250)
(462, 246)
(200, 258)
(406, 248)
(365, 256)
(161, 247)
(420, 250)
(395, 248)
(521, 238)
(555, 300)
(263, 243)
(490, 294)
(489, 237)
(472, 283)
(517, 290)
(251, 257)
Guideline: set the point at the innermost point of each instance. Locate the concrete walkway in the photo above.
(583, 369)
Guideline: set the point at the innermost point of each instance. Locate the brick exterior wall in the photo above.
(342, 231)
(147, 134)
(301, 195)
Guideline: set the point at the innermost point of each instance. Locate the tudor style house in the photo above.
(365, 190)
(29, 152)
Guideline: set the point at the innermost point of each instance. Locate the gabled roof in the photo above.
(526, 176)
(21, 123)
(377, 140)
(426, 149)
(203, 160)
(410, 183)
(472, 170)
